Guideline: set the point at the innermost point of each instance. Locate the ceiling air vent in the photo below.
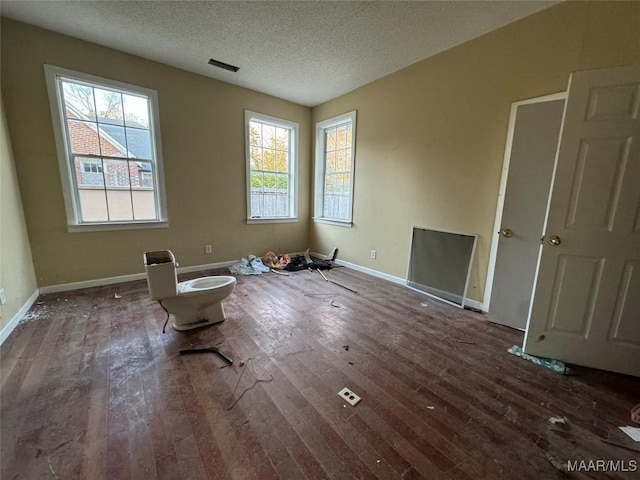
(226, 66)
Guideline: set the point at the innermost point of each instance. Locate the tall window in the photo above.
(109, 150)
(271, 168)
(335, 154)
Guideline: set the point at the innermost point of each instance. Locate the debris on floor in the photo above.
(334, 304)
(117, 296)
(424, 304)
(557, 464)
(279, 272)
(278, 262)
(554, 420)
(208, 349)
(431, 407)
(632, 432)
(337, 283)
(346, 347)
(548, 363)
(251, 265)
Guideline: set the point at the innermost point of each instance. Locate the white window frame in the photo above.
(67, 171)
(293, 166)
(321, 163)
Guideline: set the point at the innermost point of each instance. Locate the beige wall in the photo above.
(16, 268)
(430, 138)
(202, 127)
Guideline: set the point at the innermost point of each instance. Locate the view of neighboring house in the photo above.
(113, 176)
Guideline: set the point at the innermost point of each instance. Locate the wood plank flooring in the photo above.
(92, 389)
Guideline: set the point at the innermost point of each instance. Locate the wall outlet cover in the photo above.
(349, 397)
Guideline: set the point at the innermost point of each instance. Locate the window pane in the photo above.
(282, 162)
(91, 195)
(331, 163)
(119, 202)
(138, 143)
(268, 136)
(255, 134)
(282, 139)
(269, 157)
(116, 173)
(136, 111)
(78, 100)
(330, 139)
(141, 175)
(257, 182)
(341, 136)
(255, 158)
(83, 137)
(112, 140)
(340, 164)
(109, 106)
(347, 159)
(142, 194)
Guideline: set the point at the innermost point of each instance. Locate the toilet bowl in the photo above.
(193, 303)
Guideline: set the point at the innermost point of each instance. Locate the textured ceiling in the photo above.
(306, 52)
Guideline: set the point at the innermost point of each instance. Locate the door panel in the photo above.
(532, 149)
(585, 307)
(626, 327)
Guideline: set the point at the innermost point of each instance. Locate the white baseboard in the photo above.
(391, 278)
(13, 323)
(98, 282)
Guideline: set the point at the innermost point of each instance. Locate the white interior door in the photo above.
(530, 152)
(586, 303)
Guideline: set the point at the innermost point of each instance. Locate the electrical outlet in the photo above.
(349, 397)
(373, 254)
(208, 249)
(3, 298)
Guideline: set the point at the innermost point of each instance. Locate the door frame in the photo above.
(495, 239)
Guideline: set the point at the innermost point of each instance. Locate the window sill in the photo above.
(254, 221)
(103, 227)
(337, 223)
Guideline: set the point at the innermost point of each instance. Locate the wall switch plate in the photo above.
(373, 254)
(349, 397)
(208, 249)
(3, 298)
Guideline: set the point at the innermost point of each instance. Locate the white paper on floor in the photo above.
(633, 432)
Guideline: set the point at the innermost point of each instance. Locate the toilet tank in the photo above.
(162, 279)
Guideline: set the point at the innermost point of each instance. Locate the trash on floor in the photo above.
(117, 296)
(557, 464)
(276, 261)
(554, 420)
(208, 349)
(337, 283)
(346, 347)
(632, 432)
(279, 272)
(548, 363)
(251, 265)
(349, 397)
(424, 304)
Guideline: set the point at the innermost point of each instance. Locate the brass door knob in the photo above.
(506, 232)
(554, 240)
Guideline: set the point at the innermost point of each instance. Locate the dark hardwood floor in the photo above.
(91, 388)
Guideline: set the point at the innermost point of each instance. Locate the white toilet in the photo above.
(194, 303)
